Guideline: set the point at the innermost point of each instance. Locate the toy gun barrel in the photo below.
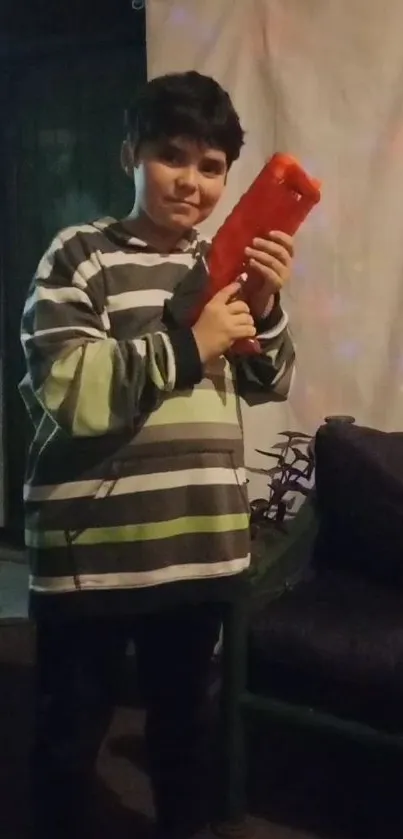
(280, 198)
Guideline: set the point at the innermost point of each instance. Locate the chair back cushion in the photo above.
(359, 485)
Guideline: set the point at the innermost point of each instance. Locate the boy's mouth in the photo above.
(179, 202)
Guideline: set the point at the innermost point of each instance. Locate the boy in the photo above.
(135, 493)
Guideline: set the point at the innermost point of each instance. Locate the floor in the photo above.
(116, 768)
(299, 789)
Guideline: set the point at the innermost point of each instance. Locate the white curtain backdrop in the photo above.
(323, 80)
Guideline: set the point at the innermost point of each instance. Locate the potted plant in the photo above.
(289, 477)
(283, 525)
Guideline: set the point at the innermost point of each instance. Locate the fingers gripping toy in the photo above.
(280, 198)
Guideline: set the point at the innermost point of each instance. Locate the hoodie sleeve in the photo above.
(268, 377)
(89, 383)
(263, 378)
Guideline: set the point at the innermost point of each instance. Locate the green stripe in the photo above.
(56, 385)
(92, 413)
(198, 406)
(141, 532)
(89, 413)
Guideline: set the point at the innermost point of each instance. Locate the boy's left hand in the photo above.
(270, 260)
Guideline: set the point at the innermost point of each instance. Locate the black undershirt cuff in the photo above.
(189, 369)
(273, 318)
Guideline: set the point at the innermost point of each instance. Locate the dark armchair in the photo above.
(328, 653)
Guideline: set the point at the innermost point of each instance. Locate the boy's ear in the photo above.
(127, 158)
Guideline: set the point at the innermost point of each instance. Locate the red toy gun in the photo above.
(280, 198)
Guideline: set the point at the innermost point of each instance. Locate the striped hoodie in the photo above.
(135, 475)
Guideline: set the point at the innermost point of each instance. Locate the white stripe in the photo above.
(96, 488)
(66, 330)
(279, 375)
(105, 320)
(103, 223)
(137, 299)
(277, 330)
(45, 266)
(141, 579)
(292, 380)
(140, 346)
(88, 269)
(171, 363)
(65, 294)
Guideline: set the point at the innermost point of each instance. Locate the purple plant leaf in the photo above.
(292, 434)
(298, 473)
(269, 454)
(301, 455)
(294, 486)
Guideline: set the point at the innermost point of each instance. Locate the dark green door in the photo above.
(60, 160)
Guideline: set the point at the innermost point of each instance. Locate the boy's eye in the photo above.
(173, 156)
(213, 167)
(170, 155)
(170, 158)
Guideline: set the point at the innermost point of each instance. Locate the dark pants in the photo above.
(78, 668)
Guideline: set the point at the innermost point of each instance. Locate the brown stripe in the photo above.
(67, 459)
(134, 277)
(113, 238)
(53, 315)
(78, 248)
(225, 435)
(84, 243)
(79, 514)
(134, 323)
(143, 556)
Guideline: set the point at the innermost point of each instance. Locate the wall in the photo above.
(323, 81)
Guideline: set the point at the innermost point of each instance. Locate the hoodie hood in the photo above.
(119, 232)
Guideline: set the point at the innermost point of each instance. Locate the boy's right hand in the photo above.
(222, 322)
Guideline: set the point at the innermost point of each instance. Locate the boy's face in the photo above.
(178, 182)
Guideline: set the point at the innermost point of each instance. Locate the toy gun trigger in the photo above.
(241, 293)
(245, 346)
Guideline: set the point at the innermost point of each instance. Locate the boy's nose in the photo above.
(187, 177)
